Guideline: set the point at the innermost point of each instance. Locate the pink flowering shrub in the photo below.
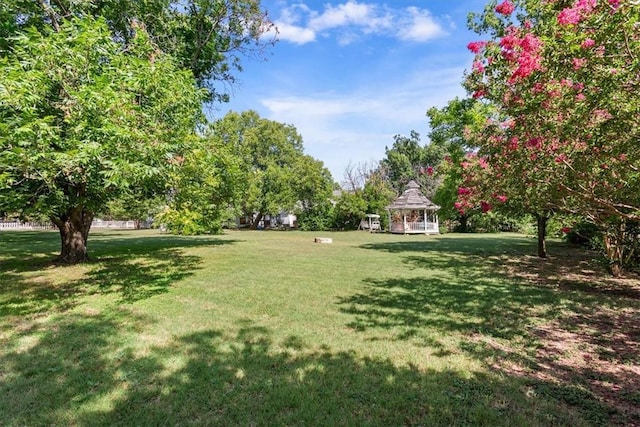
(505, 8)
(565, 79)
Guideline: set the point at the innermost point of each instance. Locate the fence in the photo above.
(98, 223)
(19, 225)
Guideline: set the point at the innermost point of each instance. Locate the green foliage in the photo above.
(349, 210)
(207, 37)
(317, 217)
(188, 222)
(84, 122)
(274, 173)
(133, 207)
(378, 194)
(585, 234)
(408, 160)
(203, 188)
(451, 130)
(592, 236)
(563, 76)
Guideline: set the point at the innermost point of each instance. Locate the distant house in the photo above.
(283, 220)
(413, 213)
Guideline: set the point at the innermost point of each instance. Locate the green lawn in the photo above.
(270, 328)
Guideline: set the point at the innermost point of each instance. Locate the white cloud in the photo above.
(300, 24)
(294, 33)
(419, 26)
(352, 12)
(356, 126)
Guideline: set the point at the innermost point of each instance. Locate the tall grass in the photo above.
(270, 328)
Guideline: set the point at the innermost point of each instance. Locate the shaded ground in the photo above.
(562, 324)
(552, 342)
(598, 351)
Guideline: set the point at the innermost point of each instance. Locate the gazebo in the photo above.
(413, 213)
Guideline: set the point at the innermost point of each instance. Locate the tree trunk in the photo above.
(256, 221)
(464, 227)
(74, 228)
(542, 234)
(614, 248)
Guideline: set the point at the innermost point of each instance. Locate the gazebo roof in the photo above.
(412, 198)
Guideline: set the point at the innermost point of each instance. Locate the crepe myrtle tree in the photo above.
(84, 120)
(563, 75)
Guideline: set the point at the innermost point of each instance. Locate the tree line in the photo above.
(101, 112)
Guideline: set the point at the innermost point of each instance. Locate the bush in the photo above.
(188, 222)
(585, 234)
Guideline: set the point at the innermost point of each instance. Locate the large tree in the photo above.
(408, 159)
(208, 37)
(451, 129)
(277, 175)
(99, 100)
(564, 76)
(83, 121)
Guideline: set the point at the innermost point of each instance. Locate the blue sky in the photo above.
(349, 75)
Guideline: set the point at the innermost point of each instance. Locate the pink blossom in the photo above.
(463, 191)
(479, 93)
(561, 158)
(429, 170)
(614, 4)
(509, 41)
(476, 47)
(569, 16)
(513, 143)
(580, 97)
(566, 82)
(554, 93)
(587, 43)
(478, 66)
(485, 206)
(506, 8)
(501, 197)
(534, 143)
(602, 114)
(565, 230)
(622, 157)
(483, 163)
(578, 63)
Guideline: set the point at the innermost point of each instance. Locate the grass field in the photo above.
(270, 328)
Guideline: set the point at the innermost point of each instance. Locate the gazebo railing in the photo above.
(413, 226)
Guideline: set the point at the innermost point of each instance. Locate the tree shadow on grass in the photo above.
(80, 373)
(469, 244)
(561, 321)
(134, 268)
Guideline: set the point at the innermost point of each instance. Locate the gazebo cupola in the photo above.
(413, 213)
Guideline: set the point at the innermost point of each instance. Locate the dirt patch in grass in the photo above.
(590, 354)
